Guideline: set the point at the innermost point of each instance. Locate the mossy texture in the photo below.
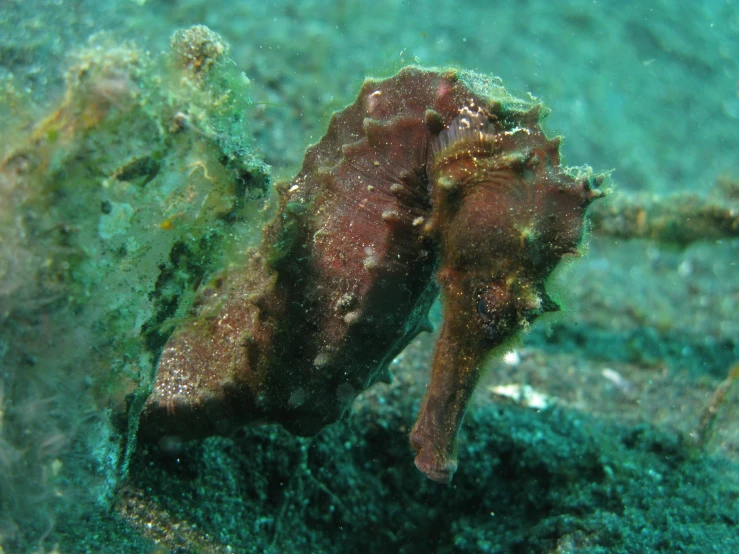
(113, 209)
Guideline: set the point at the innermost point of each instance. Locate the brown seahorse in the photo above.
(430, 179)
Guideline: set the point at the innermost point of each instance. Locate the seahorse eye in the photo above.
(497, 310)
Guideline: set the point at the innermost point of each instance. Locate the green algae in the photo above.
(113, 209)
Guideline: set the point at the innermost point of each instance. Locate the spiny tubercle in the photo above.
(430, 180)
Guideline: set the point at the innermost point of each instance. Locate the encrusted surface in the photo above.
(430, 179)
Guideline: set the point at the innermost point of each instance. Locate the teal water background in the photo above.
(646, 88)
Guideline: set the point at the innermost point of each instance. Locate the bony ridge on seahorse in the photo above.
(432, 179)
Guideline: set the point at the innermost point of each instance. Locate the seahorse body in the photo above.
(430, 179)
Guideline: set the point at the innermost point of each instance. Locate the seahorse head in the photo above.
(505, 212)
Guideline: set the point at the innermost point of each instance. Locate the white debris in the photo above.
(617, 379)
(525, 395)
(512, 358)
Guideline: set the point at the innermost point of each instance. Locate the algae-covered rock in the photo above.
(135, 188)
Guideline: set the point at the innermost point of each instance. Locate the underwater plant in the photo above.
(111, 207)
(432, 180)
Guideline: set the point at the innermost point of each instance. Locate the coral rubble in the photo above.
(111, 210)
(680, 218)
(430, 180)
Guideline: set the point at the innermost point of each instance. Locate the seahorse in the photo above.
(433, 180)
